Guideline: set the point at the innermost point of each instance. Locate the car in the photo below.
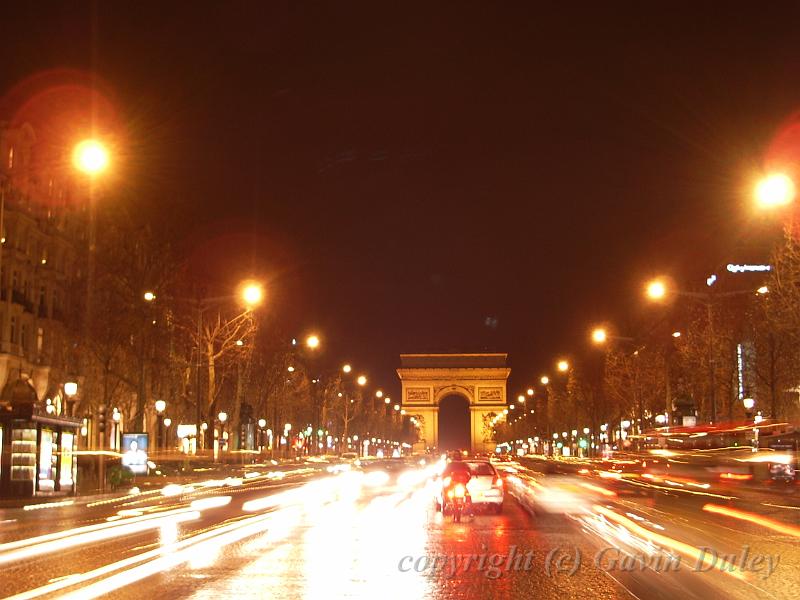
(485, 486)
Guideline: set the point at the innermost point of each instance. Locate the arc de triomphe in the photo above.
(478, 378)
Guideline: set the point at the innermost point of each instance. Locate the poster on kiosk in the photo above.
(134, 452)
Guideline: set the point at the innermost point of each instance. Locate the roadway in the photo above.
(307, 533)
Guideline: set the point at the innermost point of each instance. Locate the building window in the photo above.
(39, 340)
(11, 157)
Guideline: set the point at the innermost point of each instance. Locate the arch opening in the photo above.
(454, 423)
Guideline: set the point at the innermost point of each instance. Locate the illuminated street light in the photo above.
(387, 400)
(362, 380)
(149, 296)
(521, 399)
(312, 341)
(252, 294)
(545, 380)
(676, 334)
(347, 368)
(397, 407)
(70, 388)
(223, 416)
(774, 190)
(656, 289)
(530, 392)
(262, 423)
(90, 157)
(290, 369)
(599, 335)
(749, 403)
(379, 394)
(161, 406)
(762, 290)
(167, 422)
(562, 366)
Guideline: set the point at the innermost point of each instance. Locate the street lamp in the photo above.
(222, 417)
(545, 380)
(379, 394)
(656, 289)
(312, 342)
(774, 190)
(530, 391)
(599, 335)
(362, 380)
(347, 368)
(252, 294)
(149, 296)
(161, 406)
(91, 157)
(521, 399)
(562, 366)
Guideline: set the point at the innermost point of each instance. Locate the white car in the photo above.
(486, 486)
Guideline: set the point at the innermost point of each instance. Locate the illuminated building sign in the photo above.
(748, 268)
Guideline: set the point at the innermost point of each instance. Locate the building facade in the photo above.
(41, 235)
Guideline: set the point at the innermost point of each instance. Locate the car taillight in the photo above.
(497, 482)
(460, 491)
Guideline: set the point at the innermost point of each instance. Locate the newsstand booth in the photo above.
(38, 446)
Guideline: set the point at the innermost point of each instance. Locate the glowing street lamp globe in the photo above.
(362, 380)
(775, 190)
(656, 289)
(312, 341)
(252, 294)
(91, 157)
(599, 335)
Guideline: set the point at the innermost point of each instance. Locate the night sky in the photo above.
(463, 177)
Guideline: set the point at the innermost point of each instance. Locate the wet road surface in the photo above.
(360, 535)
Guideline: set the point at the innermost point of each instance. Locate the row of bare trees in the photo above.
(732, 344)
(158, 331)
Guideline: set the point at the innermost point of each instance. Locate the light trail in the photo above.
(754, 518)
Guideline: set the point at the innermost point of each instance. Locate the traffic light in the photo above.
(101, 419)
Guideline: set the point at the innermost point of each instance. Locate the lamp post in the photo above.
(161, 406)
(261, 424)
(90, 157)
(658, 290)
(167, 422)
(251, 294)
